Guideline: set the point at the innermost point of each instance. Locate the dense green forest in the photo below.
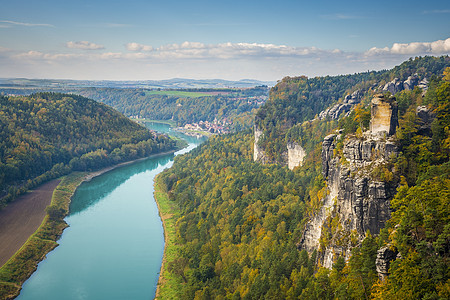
(47, 135)
(239, 221)
(183, 107)
(297, 99)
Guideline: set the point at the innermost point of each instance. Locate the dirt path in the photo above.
(21, 218)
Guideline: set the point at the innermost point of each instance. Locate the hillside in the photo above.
(46, 135)
(295, 100)
(234, 107)
(364, 214)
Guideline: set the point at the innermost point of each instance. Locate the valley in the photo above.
(316, 192)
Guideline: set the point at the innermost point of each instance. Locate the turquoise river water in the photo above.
(113, 248)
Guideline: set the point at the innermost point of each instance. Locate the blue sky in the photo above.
(267, 40)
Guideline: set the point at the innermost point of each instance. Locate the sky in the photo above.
(199, 39)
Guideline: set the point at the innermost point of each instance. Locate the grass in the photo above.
(19, 267)
(168, 283)
(178, 93)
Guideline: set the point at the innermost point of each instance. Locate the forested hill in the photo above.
(235, 106)
(46, 135)
(297, 99)
(239, 223)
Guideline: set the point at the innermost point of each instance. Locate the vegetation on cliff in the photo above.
(295, 100)
(240, 221)
(46, 135)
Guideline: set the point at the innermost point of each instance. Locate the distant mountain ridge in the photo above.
(174, 83)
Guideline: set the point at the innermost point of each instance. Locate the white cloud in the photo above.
(199, 60)
(40, 56)
(138, 47)
(84, 45)
(8, 23)
(415, 48)
(196, 50)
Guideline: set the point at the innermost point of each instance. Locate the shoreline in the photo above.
(167, 285)
(21, 265)
(166, 236)
(93, 174)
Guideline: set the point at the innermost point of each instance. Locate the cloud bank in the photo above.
(198, 60)
(416, 48)
(84, 45)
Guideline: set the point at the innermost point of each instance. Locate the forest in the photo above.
(238, 222)
(47, 135)
(236, 106)
(295, 100)
(185, 106)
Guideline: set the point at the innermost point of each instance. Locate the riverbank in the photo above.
(21, 218)
(24, 262)
(167, 122)
(168, 283)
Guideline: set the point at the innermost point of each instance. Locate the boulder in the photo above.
(385, 256)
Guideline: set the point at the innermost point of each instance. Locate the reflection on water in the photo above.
(114, 245)
(99, 187)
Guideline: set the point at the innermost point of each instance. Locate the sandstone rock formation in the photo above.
(258, 153)
(383, 115)
(393, 86)
(409, 84)
(347, 104)
(292, 157)
(296, 154)
(425, 118)
(356, 197)
(384, 257)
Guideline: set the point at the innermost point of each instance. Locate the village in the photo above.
(205, 128)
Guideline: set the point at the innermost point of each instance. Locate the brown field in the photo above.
(21, 218)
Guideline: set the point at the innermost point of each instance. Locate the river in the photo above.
(113, 248)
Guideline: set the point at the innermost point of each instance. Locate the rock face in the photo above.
(292, 157)
(296, 154)
(347, 104)
(393, 86)
(425, 118)
(409, 84)
(356, 199)
(383, 115)
(384, 257)
(258, 153)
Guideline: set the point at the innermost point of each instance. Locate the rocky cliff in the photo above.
(347, 104)
(258, 152)
(410, 83)
(293, 155)
(359, 177)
